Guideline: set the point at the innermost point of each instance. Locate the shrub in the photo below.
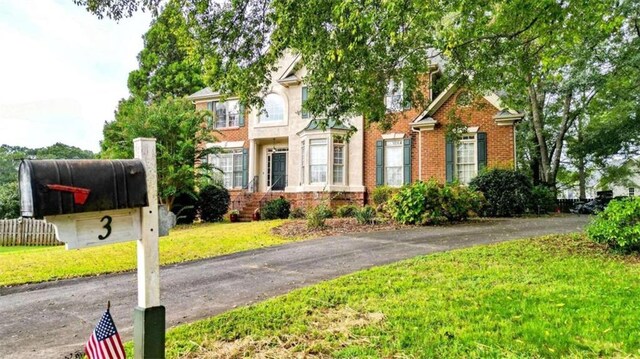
(433, 203)
(543, 200)
(9, 200)
(618, 225)
(508, 192)
(348, 210)
(297, 213)
(382, 194)
(277, 208)
(184, 207)
(317, 216)
(365, 215)
(213, 203)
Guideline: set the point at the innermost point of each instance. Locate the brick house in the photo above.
(280, 151)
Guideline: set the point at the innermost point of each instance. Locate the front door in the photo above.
(278, 171)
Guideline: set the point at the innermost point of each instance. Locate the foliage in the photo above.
(382, 194)
(184, 243)
(555, 60)
(542, 199)
(169, 64)
(618, 225)
(297, 213)
(348, 210)
(316, 216)
(177, 127)
(365, 215)
(213, 203)
(184, 207)
(10, 157)
(433, 203)
(508, 192)
(276, 209)
(544, 295)
(9, 200)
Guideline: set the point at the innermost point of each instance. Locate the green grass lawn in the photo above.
(20, 265)
(557, 296)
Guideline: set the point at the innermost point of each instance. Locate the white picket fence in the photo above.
(27, 232)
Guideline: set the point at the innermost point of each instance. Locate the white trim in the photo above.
(226, 144)
(393, 136)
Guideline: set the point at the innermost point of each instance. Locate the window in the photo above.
(466, 159)
(305, 95)
(225, 114)
(318, 161)
(230, 164)
(338, 162)
(273, 109)
(393, 100)
(464, 98)
(393, 157)
(632, 191)
(302, 175)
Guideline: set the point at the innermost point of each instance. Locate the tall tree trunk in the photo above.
(582, 177)
(567, 121)
(538, 126)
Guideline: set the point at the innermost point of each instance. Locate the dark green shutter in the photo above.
(241, 115)
(245, 167)
(482, 151)
(450, 165)
(211, 109)
(407, 160)
(305, 95)
(379, 163)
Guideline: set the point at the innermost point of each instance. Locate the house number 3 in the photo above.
(107, 226)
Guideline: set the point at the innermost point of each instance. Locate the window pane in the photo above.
(221, 114)
(338, 174)
(273, 109)
(466, 159)
(318, 160)
(393, 163)
(393, 98)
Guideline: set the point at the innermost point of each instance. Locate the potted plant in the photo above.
(256, 214)
(234, 215)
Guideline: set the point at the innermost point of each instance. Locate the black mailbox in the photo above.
(54, 187)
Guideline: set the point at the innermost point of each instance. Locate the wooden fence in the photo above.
(27, 232)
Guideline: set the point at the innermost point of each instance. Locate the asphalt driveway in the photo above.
(53, 320)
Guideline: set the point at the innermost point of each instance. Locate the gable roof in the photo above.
(288, 76)
(202, 94)
(434, 106)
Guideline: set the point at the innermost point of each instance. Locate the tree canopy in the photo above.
(552, 59)
(179, 134)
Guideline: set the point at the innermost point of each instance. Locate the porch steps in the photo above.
(246, 213)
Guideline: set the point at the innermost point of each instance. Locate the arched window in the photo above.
(273, 109)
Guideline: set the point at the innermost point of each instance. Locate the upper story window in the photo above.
(273, 109)
(394, 98)
(304, 96)
(225, 114)
(632, 191)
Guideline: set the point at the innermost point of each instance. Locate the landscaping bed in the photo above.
(333, 226)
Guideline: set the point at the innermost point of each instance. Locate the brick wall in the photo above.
(500, 146)
(232, 134)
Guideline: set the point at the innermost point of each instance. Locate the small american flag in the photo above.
(105, 342)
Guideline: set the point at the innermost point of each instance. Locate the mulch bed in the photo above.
(333, 226)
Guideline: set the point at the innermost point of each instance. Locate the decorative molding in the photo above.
(392, 136)
(226, 144)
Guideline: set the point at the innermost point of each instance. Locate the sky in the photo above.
(62, 71)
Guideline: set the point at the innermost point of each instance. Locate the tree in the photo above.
(549, 57)
(169, 64)
(180, 135)
(9, 200)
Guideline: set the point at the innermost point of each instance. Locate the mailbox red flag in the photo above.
(80, 195)
(105, 342)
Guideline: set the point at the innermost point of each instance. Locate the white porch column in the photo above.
(253, 160)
